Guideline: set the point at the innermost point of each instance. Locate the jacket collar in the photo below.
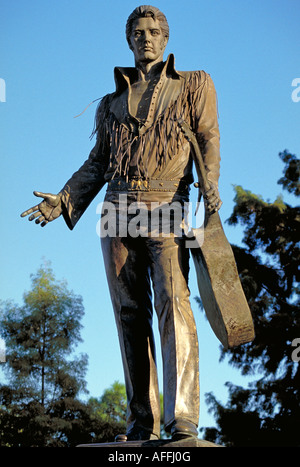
(125, 76)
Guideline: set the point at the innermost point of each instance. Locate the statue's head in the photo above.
(147, 23)
(147, 11)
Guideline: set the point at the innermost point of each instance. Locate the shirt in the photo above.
(153, 147)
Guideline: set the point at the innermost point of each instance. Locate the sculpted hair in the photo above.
(146, 11)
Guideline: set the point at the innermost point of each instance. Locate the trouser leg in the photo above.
(128, 278)
(179, 342)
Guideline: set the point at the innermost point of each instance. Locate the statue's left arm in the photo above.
(206, 127)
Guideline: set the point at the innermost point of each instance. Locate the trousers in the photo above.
(136, 269)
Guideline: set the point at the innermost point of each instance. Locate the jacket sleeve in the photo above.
(85, 184)
(206, 125)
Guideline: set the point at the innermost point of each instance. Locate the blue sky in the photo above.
(56, 57)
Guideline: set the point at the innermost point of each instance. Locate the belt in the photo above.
(120, 184)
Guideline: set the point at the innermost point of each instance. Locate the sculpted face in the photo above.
(147, 41)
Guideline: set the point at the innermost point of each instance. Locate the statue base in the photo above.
(154, 444)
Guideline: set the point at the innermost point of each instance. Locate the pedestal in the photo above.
(155, 444)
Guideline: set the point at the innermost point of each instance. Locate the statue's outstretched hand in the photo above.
(48, 210)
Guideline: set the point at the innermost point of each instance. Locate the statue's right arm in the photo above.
(85, 184)
(81, 188)
(76, 195)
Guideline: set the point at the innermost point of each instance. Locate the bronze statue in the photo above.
(141, 151)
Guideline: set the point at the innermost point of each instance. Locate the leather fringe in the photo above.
(162, 140)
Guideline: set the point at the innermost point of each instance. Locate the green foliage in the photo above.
(108, 413)
(291, 177)
(39, 406)
(111, 405)
(111, 409)
(268, 412)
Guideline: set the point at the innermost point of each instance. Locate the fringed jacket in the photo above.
(154, 148)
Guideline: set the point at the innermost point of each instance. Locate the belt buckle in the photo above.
(135, 184)
(139, 184)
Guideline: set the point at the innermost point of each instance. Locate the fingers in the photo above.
(41, 212)
(33, 216)
(212, 200)
(38, 216)
(29, 211)
(40, 219)
(213, 207)
(40, 194)
(51, 199)
(209, 192)
(34, 208)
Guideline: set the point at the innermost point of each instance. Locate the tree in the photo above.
(108, 413)
(111, 408)
(267, 413)
(111, 405)
(39, 405)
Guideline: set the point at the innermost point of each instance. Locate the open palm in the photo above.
(46, 211)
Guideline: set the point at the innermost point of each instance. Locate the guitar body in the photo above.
(220, 288)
